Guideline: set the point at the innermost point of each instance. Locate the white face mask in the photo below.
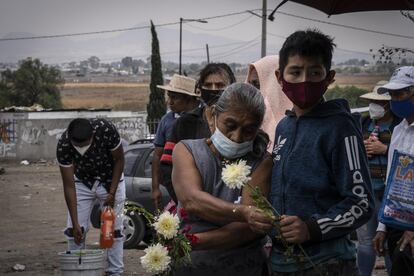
(227, 147)
(82, 150)
(376, 111)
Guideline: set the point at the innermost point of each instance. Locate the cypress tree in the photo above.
(156, 107)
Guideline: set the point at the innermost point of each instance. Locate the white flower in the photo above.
(156, 259)
(167, 225)
(236, 175)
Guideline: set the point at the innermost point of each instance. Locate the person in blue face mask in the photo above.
(377, 128)
(400, 243)
(217, 214)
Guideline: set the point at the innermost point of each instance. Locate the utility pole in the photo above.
(181, 36)
(264, 18)
(208, 54)
(181, 39)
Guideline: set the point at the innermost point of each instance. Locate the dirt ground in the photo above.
(33, 217)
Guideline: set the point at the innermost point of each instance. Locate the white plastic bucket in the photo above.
(81, 262)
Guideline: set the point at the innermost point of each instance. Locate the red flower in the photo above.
(183, 214)
(193, 239)
(171, 207)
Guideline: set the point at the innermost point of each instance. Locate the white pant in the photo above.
(85, 200)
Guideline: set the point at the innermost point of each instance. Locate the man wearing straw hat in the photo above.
(182, 97)
(376, 129)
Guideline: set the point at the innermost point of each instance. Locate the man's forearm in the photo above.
(155, 168)
(70, 192)
(70, 198)
(116, 175)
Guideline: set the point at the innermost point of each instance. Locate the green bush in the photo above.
(32, 83)
(349, 93)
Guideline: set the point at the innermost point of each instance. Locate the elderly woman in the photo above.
(217, 213)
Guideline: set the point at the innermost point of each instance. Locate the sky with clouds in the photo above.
(55, 17)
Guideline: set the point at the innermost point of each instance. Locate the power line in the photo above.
(222, 28)
(339, 49)
(85, 33)
(235, 52)
(205, 18)
(279, 36)
(237, 49)
(113, 30)
(164, 53)
(346, 26)
(353, 51)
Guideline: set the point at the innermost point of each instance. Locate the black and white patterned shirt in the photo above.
(97, 162)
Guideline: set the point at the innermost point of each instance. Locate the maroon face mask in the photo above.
(304, 94)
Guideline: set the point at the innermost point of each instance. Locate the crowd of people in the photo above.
(322, 168)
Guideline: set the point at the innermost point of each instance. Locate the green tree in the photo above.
(349, 93)
(94, 62)
(156, 107)
(32, 83)
(127, 62)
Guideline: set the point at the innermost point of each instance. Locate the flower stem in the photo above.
(263, 204)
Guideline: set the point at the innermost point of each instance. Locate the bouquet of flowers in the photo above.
(171, 245)
(237, 175)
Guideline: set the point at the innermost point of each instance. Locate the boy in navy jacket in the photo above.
(320, 178)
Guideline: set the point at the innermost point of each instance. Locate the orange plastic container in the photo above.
(107, 227)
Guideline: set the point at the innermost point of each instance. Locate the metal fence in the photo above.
(151, 128)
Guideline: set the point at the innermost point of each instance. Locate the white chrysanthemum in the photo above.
(156, 259)
(167, 225)
(236, 175)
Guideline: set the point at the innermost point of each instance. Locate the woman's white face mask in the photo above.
(227, 147)
(376, 111)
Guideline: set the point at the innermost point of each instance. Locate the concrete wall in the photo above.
(34, 135)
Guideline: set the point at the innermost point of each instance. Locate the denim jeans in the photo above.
(85, 198)
(366, 255)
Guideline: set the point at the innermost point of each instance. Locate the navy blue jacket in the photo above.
(320, 174)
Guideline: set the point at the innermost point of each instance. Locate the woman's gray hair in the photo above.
(246, 97)
(242, 96)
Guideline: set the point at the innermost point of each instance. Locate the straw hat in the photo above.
(181, 84)
(374, 94)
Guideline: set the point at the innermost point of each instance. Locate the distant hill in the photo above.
(138, 45)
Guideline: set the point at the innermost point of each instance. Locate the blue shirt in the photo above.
(164, 129)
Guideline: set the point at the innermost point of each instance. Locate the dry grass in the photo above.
(117, 96)
(366, 82)
(134, 96)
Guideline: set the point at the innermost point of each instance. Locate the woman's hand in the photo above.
(258, 221)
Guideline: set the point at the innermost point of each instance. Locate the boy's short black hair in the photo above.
(80, 130)
(216, 68)
(308, 43)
